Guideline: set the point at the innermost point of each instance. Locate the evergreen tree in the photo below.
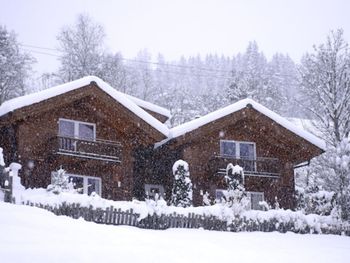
(14, 66)
(60, 182)
(235, 179)
(182, 188)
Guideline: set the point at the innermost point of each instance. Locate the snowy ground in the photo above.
(30, 234)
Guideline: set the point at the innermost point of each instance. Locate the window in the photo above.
(255, 198)
(153, 189)
(77, 129)
(237, 149)
(220, 194)
(244, 151)
(85, 184)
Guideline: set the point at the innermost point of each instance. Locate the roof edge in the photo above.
(197, 123)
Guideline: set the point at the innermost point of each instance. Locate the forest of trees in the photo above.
(317, 88)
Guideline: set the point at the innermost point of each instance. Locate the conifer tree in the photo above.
(60, 182)
(235, 196)
(182, 189)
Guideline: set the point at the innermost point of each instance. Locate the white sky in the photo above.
(182, 27)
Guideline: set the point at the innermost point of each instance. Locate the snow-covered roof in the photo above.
(129, 102)
(150, 106)
(196, 123)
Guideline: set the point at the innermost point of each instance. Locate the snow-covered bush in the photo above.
(60, 182)
(2, 163)
(235, 196)
(206, 199)
(315, 201)
(182, 188)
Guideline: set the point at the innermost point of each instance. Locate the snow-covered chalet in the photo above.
(119, 147)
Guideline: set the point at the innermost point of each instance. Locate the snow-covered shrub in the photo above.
(315, 201)
(206, 199)
(60, 182)
(182, 188)
(157, 205)
(2, 163)
(235, 196)
(331, 172)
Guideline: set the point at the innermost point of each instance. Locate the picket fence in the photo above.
(113, 216)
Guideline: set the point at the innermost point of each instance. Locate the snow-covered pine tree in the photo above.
(235, 196)
(60, 182)
(249, 75)
(182, 189)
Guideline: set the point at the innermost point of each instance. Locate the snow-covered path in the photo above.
(30, 234)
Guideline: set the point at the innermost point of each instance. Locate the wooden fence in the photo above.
(113, 216)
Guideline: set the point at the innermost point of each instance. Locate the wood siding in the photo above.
(35, 129)
(272, 140)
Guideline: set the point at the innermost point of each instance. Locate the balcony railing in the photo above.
(97, 149)
(261, 166)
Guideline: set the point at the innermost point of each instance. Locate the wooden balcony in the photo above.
(97, 149)
(261, 167)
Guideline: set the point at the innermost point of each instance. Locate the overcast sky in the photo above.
(182, 27)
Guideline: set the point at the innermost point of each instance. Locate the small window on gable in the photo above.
(77, 129)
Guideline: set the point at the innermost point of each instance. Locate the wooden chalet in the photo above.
(266, 145)
(119, 147)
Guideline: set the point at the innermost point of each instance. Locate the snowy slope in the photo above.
(196, 123)
(120, 97)
(34, 235)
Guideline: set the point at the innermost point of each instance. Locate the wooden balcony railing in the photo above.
(97, 149)
(261, 166)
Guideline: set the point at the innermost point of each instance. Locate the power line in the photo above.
(40, 52)
(128, 59)
(32, 46)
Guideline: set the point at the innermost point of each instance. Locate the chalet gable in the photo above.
(21, 107)
(253, 116)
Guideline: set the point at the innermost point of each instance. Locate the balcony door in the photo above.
(244, 152)
(71, 132)
(77, 129)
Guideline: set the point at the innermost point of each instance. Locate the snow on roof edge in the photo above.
(150, 106)
(32, 98)
(196, 123)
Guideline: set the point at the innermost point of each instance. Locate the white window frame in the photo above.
(237, 143)
(76, 127)
(148, 188)
(223, 191)
(85, 181)
(250, 193)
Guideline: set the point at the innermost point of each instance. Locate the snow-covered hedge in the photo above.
(320, 202)
(253, 220)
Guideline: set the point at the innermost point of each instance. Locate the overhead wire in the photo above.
(29, 48)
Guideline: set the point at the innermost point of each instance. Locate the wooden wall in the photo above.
(272, 140)
(36, 127)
